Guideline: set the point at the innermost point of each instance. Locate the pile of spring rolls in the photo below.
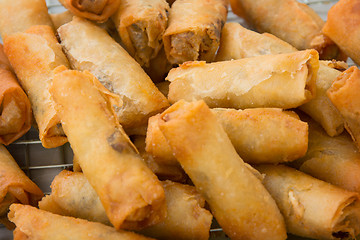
(179, 119)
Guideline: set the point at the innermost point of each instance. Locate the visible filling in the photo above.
(92, 6)
(140, 40)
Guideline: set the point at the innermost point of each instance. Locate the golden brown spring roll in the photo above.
(237, 199)
(60, 19)
(335, 160)
(98, 53)
(344, 94)
(15, 186)
(293, 22)
(141, 25)
(194, 30)
(20, 15)
(312, 208)
(281, 81)
(104, 152)
(16, 114)
(34, 55)
(96, 10)
(35, 224)
(342, 26)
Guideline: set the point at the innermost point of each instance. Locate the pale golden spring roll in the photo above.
(98, 53)
(281, 81)
(96, 10)
(194, 30)
(344, 94)
(290, 20)
(15, 186)
(141, 25)
(20, 15)
(343, 27)
(35, 224)
(237, 199)
(335, 160)
(16, 114)
(34, 55)
(104, 152)
(312, 208)
(60, 19)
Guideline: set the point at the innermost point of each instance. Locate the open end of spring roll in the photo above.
(312, 208)
(237, 199)
(32, 223)
(34, 55)
(194, 30)
(106, 155)
(96, 10)
(15, 185)
(344, 94)
(282, 81)
(141, 25)
(342, 26)
(20, 15)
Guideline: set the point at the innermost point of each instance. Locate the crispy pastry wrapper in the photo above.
(32, 223)
(20, 15)
(312, 208)
(194, 30)
(283, 81)
(344, 94)
(15, 186)
(342, 26)
(141, 25)
(34, 55)
(98, 53)
(16, 114)
(104, 152)
(290, 20)
(335, 160)
(237, 199)
(96, 10)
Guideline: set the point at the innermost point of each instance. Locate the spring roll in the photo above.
(293, 22)
(342, 26)
(194, 30)
(20, 15)
(312, 208)
(60, 19)
(141, 25)
(16, 114)
(104, 152)
(15, 186)
(96, 10)
(98, 53)
(35, 224)
(335, 160)
(237, 199)
(34, 55)
(280, 81)
(344, 94)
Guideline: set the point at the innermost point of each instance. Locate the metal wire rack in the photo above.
(42, 165)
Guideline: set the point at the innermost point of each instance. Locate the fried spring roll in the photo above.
(34, 55)
(20, 15)
(293, 22)
(335, 160)
(342, 26)
(281, 81)
(60, 19)
(35, 224)
(98, 53)
(15, 186)
(104, 152)
(194, 30)
(344, 94)
(312, 208)
(141, 25)
(237, 199)
(16, 114)
(96, 10)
